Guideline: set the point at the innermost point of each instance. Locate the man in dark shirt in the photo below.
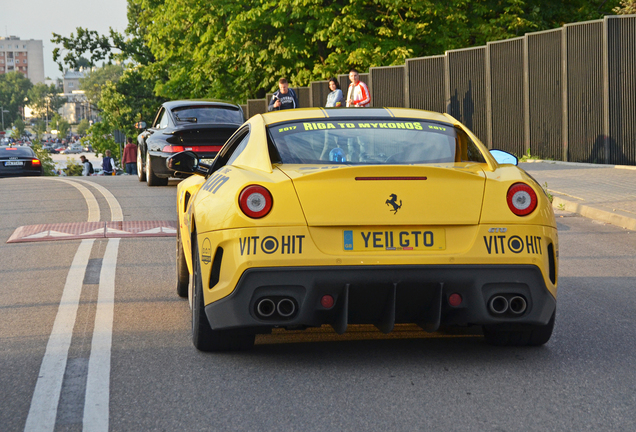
(284, 98)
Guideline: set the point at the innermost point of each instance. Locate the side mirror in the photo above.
(140, 125)
(503, 157)
(185, 162)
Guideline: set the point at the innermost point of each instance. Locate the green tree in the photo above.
(238, 50)
(82, 127)
(627, 7)
(40, 129)
(43, 99)
(93, 82)
(101, 139)
(63, 128)
(18, 128)
(14, 87)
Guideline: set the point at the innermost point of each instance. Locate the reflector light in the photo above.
(522, 200)
(327, 301)
(255, 201)
(455, 300)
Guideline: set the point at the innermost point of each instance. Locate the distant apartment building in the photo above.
(24, 56)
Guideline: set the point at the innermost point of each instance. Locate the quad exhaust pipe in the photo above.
(499, 305)
(266, 308)
(518, 305)
(275, 308)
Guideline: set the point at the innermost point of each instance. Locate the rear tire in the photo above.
(183, 277)
(535, 335)
(151, 178)
(141, 173)
(203, 337)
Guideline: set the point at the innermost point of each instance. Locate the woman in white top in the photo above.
(335, 98)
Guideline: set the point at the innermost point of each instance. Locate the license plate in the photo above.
(416, 239)
(206, 161)
(13, 163)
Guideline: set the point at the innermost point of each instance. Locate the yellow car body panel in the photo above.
(322, 246)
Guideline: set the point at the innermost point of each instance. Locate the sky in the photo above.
(39, 19)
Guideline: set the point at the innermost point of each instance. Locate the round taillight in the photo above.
(255, 201)
(522, 199)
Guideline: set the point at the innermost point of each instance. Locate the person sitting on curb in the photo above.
(87, 167)
(108, 164)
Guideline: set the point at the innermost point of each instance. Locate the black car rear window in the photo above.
(16, 151)
(207, 114)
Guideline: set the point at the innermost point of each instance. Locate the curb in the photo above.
(594, 213)
(582, 164)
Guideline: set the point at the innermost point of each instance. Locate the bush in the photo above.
(47, 162)
(73, 168)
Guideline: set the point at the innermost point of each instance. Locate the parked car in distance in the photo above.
(201, 126)
(49, 148)
(73, 149)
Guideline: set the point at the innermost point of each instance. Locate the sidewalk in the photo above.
(605, 193)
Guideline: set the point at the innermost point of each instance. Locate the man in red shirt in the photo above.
(129, 159)
(358, 94)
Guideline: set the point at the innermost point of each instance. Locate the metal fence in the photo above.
(564, 94)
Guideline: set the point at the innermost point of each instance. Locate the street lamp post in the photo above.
(3, 111)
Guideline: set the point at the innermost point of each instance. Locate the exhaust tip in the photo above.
(265, 308)
(498, 304)
(518, 305)
(286, 307)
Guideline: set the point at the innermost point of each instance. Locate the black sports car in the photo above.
(19, 161)
(201, 126)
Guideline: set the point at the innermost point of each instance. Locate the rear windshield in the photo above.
(16, 152)
(369, 142)
(208, 114)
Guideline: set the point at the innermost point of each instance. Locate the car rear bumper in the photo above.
(383, 295)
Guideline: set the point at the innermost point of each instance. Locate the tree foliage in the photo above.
(18, 128)
(14, 88)
(44, 99)
(82, 127)
(238, 49)
(93, 82)
(47, 161)
(627, 7)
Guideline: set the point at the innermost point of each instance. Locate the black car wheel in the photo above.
(534, 335)
(141, 173)
(151, 178)
(183, 277)
(203, 337)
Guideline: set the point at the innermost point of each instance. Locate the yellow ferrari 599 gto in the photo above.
(379, 216)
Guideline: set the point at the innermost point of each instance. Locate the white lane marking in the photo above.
(96, 404)
(115, 208)
(46, 395)
(91, 202)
